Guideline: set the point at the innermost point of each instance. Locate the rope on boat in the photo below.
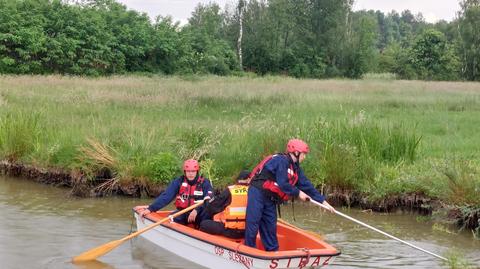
(307, 251)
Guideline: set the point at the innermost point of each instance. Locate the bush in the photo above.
(216, 65)
(395, 59)
(209, 170)
(434, 58)
(457, 260)
(163, 167)
(318, 68)
(300, 70)
(462, 183)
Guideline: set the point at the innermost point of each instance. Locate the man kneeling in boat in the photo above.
(228, 210)
(188, 189)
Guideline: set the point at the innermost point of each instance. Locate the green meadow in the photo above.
(377, 136)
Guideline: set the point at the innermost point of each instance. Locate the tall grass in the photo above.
(380, 76)
(457, 260)
(463, 183)
(19, 134)
(455, 181)
(380, 137)
(353, 149)
(389, 144)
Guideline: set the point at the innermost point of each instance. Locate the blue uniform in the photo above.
(261, 209)
(170, 194)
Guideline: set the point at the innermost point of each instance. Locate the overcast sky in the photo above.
(432, 10)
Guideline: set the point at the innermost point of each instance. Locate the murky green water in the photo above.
(43, 227)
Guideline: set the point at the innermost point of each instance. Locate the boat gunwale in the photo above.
(272, 255)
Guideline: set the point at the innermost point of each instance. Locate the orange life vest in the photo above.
(234, 214)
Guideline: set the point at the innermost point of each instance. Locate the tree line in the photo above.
(300, 38)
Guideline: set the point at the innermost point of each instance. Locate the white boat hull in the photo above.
(213, 256)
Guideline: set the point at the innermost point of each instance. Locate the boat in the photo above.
(298, 248)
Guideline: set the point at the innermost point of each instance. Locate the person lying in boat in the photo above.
(228, 210)
(276, 179)
(186, 190)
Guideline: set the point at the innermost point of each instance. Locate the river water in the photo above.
(42, 226)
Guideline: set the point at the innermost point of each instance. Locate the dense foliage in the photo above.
(301, 38)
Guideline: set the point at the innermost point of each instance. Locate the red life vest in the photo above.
(189, 194)
(270, 184)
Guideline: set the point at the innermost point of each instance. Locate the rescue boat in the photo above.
(298, 249)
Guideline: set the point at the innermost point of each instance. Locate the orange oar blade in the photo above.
(94, 253)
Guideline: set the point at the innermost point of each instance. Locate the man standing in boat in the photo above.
(187, 189)
(228, 210)
(276, 179)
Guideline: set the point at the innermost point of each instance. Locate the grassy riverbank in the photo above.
(376, 137)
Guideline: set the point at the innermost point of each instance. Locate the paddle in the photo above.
(377, 230)
(94, 253)
(284, 222)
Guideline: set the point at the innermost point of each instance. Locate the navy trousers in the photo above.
(218, 228)
(201, 216)
(261, 216)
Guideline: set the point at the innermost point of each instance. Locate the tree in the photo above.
(449, 29)
(362, 49)
(168, 47)
(469, 28)
(330, 23)
(22, 38)
(301, 38)
(396, 59)
(259, 40)
(209, 52)
(131, 36)
(433, 57)
(241, 9)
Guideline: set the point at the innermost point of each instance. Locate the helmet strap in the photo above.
(297, 156)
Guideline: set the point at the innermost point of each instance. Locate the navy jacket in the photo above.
(219, 203)
(278, 166)
(171, 192)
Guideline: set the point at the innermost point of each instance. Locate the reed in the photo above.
(455, 181)
(19, 134)
(457, 260)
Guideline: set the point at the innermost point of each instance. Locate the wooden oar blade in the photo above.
(103, 249)
(94, 253)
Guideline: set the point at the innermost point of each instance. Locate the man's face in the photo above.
(190, 174)
(301, 157)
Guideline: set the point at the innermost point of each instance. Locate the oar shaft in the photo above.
(379, 231)
(176, 214)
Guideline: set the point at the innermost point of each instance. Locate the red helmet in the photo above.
(297, 145)
(191, 165)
